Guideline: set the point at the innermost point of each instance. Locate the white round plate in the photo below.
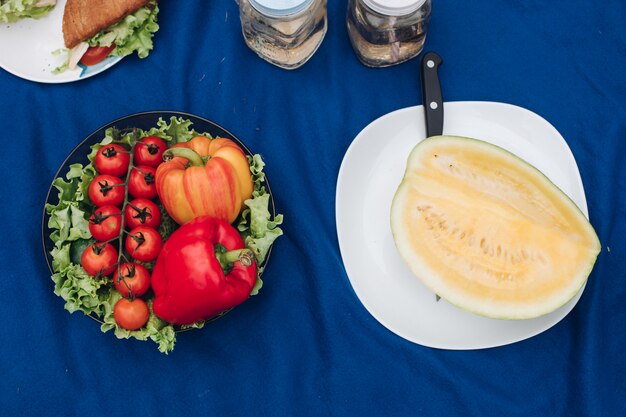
(27, 46)
(372, 169)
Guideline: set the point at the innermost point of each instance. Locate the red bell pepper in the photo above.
(189, 279)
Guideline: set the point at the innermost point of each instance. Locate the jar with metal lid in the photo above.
(387, 32)
(285, 33)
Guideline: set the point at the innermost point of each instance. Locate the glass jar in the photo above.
(285, 33)
(387, 32)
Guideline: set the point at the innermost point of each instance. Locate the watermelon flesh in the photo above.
(488, 232)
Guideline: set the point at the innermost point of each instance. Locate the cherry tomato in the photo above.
(135, 279)
(112, 159)
(106, 190)
(142, 212)
(131, 314)
(105, 223)
(143, 243)
(99, 259)
(96, 54)
(141, 183)
(149, 151)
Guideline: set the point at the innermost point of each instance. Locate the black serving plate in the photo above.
(145, 121)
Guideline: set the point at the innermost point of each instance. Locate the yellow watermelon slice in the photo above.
(488, 232)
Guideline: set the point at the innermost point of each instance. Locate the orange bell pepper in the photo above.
(204, 177)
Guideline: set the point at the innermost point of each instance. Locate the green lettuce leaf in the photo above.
(256, 225)
(262, 230)
(12, 10)
(178, 130)
(68, 219)
(132, 34)
(80, 291)
(256, 168)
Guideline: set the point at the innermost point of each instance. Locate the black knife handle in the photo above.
(431, 94)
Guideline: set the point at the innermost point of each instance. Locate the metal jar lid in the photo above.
(279, 8)
(394, 7)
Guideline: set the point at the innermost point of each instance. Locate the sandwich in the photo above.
(12, 10)
(96, 29)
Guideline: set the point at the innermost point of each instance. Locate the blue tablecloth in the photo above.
(306, 345)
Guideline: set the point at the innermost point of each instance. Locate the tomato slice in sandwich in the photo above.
(96, 54)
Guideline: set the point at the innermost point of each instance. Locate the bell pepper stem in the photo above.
(245, 256)
(187, 153)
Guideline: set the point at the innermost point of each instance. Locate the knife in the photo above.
(432, 99)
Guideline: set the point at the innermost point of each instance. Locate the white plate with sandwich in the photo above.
(50, 49)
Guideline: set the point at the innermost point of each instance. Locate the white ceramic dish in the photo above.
(26, 48)
(372, 169)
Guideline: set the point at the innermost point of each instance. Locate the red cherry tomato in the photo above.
(105, 223)
(106, 190)
(96, 54)
(142, 212)
(99, 259)
(141, 183)
(143, 243)
(149, 151)
(112, 159)
(131, 314)
(135, 279)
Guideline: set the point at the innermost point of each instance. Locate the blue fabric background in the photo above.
(305, 345)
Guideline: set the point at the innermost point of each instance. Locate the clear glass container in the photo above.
(387, 32)
(285, 33)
